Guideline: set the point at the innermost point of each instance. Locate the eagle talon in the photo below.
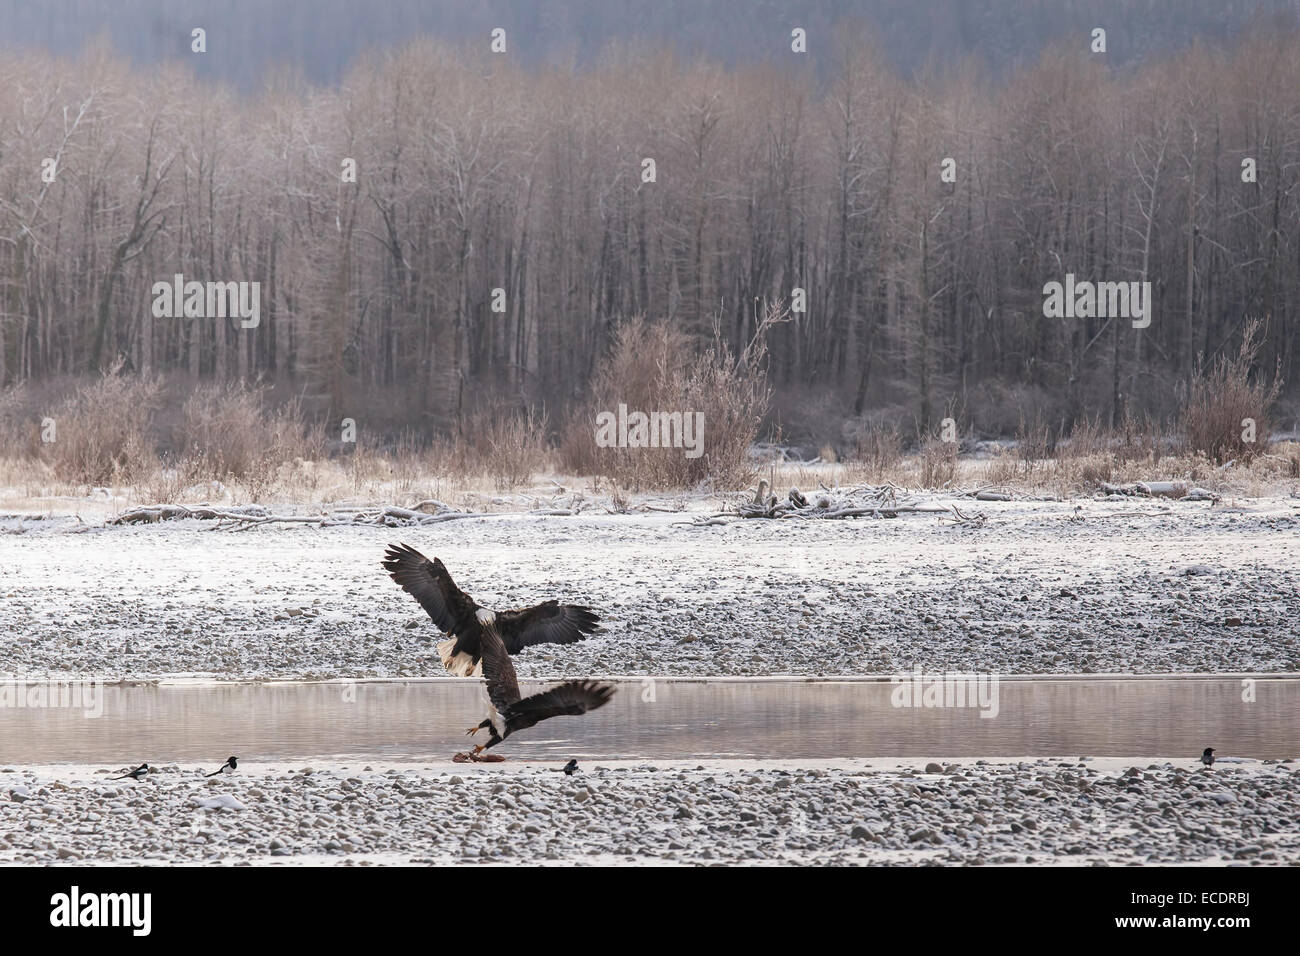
(472, 756)
(473, 730)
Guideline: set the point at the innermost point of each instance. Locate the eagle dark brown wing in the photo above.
(498, 671)
(570, 698)
(430, 584)
(547, 623)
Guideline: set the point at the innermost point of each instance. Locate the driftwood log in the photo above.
(248, 516)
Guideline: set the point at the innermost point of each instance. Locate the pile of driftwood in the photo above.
(248, 516)
(863, 502)
(1158, 489)
(149, 514)
(564, 503)
(25, 523)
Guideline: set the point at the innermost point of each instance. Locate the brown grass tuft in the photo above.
(100, 431)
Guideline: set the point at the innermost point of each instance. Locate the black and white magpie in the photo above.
(571, 768)
(1207, 757)
(230, 766)
(139, 773)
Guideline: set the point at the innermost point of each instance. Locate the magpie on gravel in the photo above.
(230, 766)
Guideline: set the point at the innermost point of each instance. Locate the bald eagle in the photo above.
(509, 712)
(460, 616)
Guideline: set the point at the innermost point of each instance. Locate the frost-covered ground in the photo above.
(1041, 587)
(1075, 811)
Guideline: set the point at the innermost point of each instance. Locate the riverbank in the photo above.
(1082, 586)
(1074, 811)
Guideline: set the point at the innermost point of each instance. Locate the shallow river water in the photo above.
(660, 719)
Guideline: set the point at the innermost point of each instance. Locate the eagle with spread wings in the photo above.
(465, 620)
(509, 712)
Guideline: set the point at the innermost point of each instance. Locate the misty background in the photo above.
(775, 171)
(320, 38)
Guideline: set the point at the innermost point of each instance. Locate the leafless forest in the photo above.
(501, 228)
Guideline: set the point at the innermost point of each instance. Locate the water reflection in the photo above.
(774, 719)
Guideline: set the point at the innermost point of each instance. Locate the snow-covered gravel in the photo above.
(1069, 810)
(1042, 587)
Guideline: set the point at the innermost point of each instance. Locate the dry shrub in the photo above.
(1002, 469)
(172, 481)
(407, 465)
(650, 368)
(1217, 400)
(938, 463)
(1035, 445)
(449, 460)
(233, 432)
(1030, 460)
(1086, 472)
(1290, 454)
(1085, 459)
(877, 446)
(363, 467)
(102, 431)
(1087, 439)
(508, 444)
(578, 450)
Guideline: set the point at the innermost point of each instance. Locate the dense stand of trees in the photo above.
(474, 174)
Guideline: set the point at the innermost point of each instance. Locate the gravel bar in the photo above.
(1040, 588)
(1075, 811)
